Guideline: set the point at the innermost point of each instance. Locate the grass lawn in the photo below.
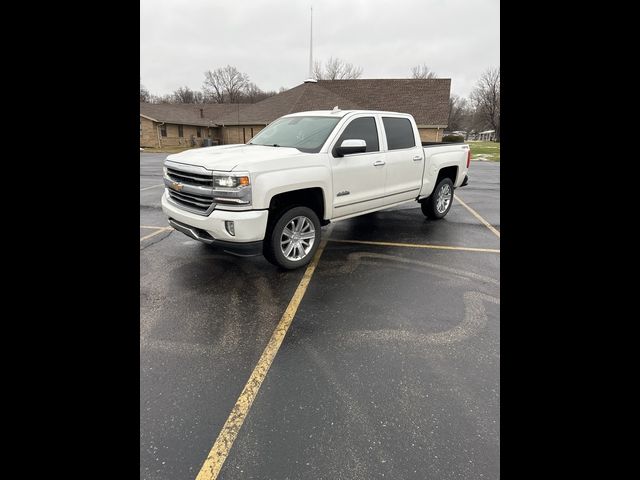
(485, 151)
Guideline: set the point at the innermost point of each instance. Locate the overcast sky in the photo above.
(269, 39)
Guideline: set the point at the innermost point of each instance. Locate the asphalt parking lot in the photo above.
(390, 368)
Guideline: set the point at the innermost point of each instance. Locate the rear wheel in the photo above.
(438, 204)
(293, 238)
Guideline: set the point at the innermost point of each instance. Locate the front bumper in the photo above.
(243, 249)
(250, 227)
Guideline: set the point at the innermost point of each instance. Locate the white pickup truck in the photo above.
(272, 195)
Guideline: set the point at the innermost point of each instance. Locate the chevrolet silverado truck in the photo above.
(272, 195)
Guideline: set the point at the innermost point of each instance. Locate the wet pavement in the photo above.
(389, 370)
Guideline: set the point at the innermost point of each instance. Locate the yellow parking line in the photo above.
(477, 215)
(160, 230)
(220, 450)
(155, 227)
(153, 186)
(419, 245)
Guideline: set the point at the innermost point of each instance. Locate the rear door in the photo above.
(404, 157)
(359, 178)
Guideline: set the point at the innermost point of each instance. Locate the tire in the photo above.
(278, 247)
(432, 207)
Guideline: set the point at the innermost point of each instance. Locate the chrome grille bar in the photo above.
(194, 178)
(193, 194)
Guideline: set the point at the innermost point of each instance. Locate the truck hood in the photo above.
(233, 157)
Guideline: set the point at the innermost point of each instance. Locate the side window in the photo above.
(399, 133)
(362, 129)
(163, 130)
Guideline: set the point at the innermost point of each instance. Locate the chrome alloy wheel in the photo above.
(297, 238)
(443, 199)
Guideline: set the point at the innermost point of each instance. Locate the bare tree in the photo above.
(317, 70)
(486, 99)
(184, 95)
(144, 93)
(253, 93)
(336, 69)
(168, 98)
(225, 85)
(422, 71)
(459, 113)
(213, 87)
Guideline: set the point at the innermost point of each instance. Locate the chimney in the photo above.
(202, 113)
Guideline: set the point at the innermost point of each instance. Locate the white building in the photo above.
(487, 136)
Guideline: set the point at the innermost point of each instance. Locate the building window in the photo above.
(199, 132)
(140, 127)
(163, 130)
(180, 131)
(251, 132)
(244, 135)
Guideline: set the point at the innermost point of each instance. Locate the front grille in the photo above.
(198, 200)
(199, 203)
(202, 180)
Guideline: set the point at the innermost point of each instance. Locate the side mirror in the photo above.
(351, 146)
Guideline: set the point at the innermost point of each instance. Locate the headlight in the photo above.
(230, 181)
(232, 189)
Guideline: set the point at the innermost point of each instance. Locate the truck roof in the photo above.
(338, 113)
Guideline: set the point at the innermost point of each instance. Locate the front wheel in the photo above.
(293, 239)
(439, 202)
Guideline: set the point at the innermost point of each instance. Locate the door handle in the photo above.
(417, 158)
(378, 163)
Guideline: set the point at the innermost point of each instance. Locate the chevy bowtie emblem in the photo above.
(176, 186)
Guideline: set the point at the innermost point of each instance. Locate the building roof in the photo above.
(426, 99)
(186, 113)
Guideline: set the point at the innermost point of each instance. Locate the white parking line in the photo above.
(159, 230)
(477, 215)
(153, 186)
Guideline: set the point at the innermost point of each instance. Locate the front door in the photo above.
(359, 178)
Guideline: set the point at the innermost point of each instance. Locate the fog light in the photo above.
(230, 227)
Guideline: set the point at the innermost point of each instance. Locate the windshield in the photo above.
(307, 134)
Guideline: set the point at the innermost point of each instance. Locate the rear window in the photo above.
(399, 133)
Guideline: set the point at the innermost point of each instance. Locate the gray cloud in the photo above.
(269, 39)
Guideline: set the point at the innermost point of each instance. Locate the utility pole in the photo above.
(311, 46)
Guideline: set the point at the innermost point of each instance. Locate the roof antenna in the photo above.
(310, 79)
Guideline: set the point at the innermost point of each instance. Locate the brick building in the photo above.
(164, 125)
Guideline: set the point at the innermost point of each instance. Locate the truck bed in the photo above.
(443, 156)
(429, 144)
